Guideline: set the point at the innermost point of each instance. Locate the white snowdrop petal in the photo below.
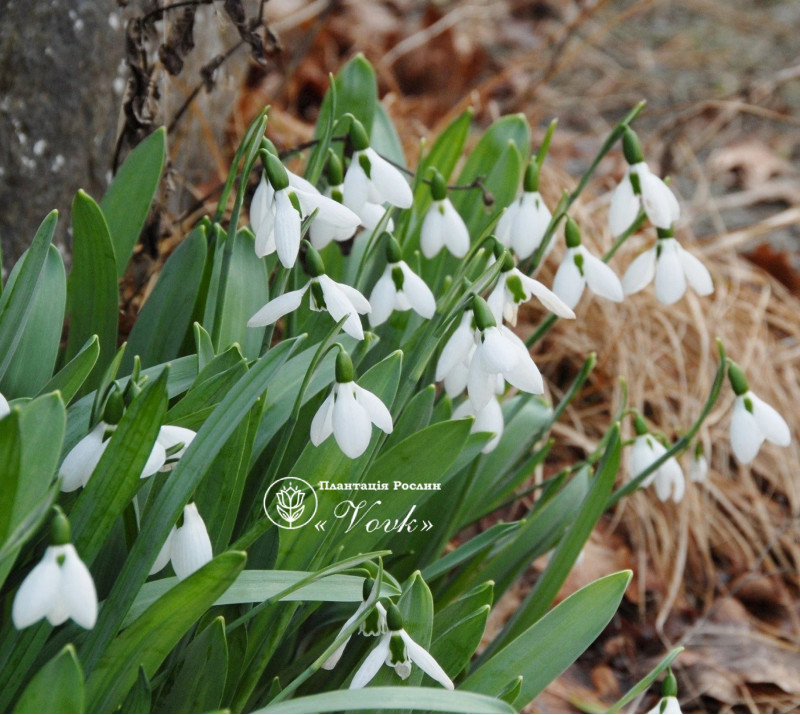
(155, 460)
(431, 238)
(278, 307)
(82, 459)
(378, 413)
(39, 592)
(659, 202)
(568, 283)
(640, 272)
(643, 454)
(455, 382)
(479, 383)
(287, 228)
(356, 298)
(162, 559)
(624, 207)
(334, 657)
(352, 427)
(497, 300)
(389, 182)
(372, 663)
(770, 422)
(489, 419)
(371, 214)
(502, 231)
(698, 469)
(426, 662)
(382, 299)
(670, 280)
(322, 424)
(601, 279)
(171, 435)
(696, 273)
(77, 589)
(4, 407)
(355, 187)
(546, 297)
(260, 204)
(530, 224)
(190, 545)
(526, 376)
(298, 182)
(669, 481)
(746, 437)
(329, 211)
(416, 290)
(457, 349)
(454, 230)
(337, 304)
(495, 352)
(666, 706)
(265, 237)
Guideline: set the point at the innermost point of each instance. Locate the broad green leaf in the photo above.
(246, 291)
(70, 378)
(203, 346)
(165, 317)
(92, 293)
(546, 649)
(458, 643)
(127, 201)
(10, 458)
(139, 697)
(176, 493)
(384, 138)
(561, 562)
(150, 638)
(199, 680)
(116, 479)
(415, 417)
(356, 93)
(56, 688)
(391, 699)
(16, 302)
(256, 586)
(35, 357)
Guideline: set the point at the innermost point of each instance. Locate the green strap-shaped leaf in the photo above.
(127, 201)
(56, 688)
(33, 361)
(92, 294)
(384, 138)
(16, 301)
(149, 639)
(553, 643)
(10, 457)
(70, 378)
(165, 317)
(391, 699)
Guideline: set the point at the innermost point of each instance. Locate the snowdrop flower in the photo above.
(59, 586)
(373, 625)
(640, 189)
(399, 288)
(513, 287)
(349, 412)
(668, 477)
(698, 467)
(338, 299)
(672, 266)
(370, 178)
(275, 213)
(580, 268)
(453, 363)
(499, 352)
(753, 420)
(4, 406)
(525, 221)
(668, 704)
(443, 225)
(487, 419)
(397, 650)
(188, 546)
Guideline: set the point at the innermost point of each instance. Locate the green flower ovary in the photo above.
(514, 287)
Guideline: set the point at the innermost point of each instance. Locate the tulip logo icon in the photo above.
(286, 500)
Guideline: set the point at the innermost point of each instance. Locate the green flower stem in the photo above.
(278, 287)
(645, 682)
(227, 253)
(372, 244)
(685, 441)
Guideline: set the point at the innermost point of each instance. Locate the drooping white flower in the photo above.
(4, 406)
(640, 189)
(753, 420)
(698, 467)
(668, 478)
(398, 650)
(399, 288)
(373, 625)
(59, 586)
(667, 705)
(524, 223)
(188, 546)
(513, 288)
(443, 227)
(349, 412)
(338, 299)
(81, 461)
(581, 268)
(487, 419)
(672, 267)
(499, 352)
(455, 358)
